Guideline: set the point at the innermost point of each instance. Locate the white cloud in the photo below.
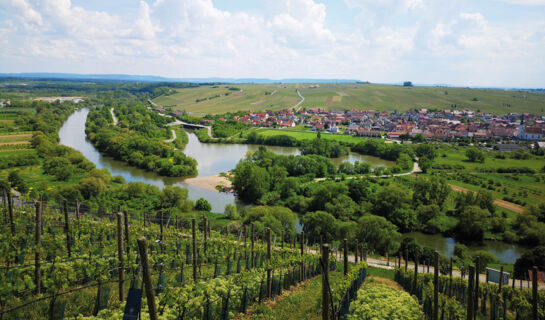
(525, 2)
(388, 40)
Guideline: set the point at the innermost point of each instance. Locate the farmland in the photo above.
(213, 99)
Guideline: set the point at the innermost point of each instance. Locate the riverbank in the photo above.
(211, 183)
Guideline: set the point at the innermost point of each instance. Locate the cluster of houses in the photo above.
(443, 124)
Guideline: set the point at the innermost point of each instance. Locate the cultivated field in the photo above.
(212, 99)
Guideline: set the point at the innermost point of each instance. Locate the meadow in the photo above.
(254, 97)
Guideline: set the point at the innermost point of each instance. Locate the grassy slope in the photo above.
(342, 96)
(305, 302)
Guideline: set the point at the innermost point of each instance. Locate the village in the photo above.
(445, 124)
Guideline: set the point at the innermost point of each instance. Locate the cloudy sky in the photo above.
(459, 42)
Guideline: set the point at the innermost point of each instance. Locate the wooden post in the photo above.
(37, 280)
(501, 279)
(356, 252)
(364, 253)
(325, 281)
(302, 253)
(534, 293)
(205, 229)
(10, 210)
(245, 247)
(142, 248)
(252, 249)
(5, 201)
(415, 271)
(406, 258)
(387, 258)
(127, 243)
(470, 299)
(120, 254)
(269, 283)
(436, 286)
(345, 256)
(194, 233)
(450, 279)
(67, 229)
(477, 269)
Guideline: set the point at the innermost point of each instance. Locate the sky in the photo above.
(458, 42)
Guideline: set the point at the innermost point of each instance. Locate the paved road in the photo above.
(382, 264)
(113, 116)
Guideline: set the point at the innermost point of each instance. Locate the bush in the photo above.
(377, 301)
(203, 205)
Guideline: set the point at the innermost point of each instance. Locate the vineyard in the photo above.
(67, 261)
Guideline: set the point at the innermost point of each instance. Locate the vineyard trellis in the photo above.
(71, 261)
(455, 298)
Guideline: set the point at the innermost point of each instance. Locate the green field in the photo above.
(308, 135)
(345, 96)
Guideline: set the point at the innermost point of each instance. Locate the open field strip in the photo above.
(351, 95)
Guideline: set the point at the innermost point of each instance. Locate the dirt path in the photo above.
(298, 103)
(416, 169)
(113, 116)
(173, 137)
(500, 203)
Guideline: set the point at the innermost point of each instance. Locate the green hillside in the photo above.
(213, 99)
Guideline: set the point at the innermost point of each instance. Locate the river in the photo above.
(212, 158)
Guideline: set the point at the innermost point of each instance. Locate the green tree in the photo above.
(485, 258)
(231, 211)
(475, 155)
(425, 164)
(430, 191)
(529, 259)
(172, 197)
(377, 234)
(404, 161)
(320, 223)
(16, 182)
(251, 181)
(473, 223)
(427, 212)
(426, 150)
(203, 205)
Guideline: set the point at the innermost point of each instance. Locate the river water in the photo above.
(214, 158)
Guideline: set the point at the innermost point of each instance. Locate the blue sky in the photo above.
(459, 42)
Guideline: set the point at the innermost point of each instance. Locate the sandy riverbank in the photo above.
(210, 182)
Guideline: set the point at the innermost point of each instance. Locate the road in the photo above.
(416, 169)
(173, 136)
(500, 203)
(113, 116)
(298, 103)
(382, 264)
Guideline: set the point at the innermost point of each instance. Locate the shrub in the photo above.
(377, 301)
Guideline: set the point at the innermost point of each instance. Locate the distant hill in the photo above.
(147, 78)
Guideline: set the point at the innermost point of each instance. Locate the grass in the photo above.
(309, 135)
(253, 97)
(302, 303)
(382, 273)
(352, 95)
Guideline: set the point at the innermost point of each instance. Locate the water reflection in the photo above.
(506, 252)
